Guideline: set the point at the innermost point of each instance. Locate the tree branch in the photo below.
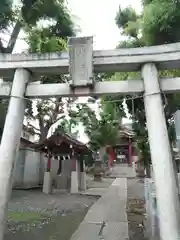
(39, 134)
(35, 128)
(1, 47)
(59, 118)
(14, 36)
(54, 117)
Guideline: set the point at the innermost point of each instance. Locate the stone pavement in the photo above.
(135, 209)
(107, 218)
(135, 188)
(99, 192)
(96, 188)
(123, 171)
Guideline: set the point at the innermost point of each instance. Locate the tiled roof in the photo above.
(57, 139)
(126, 131)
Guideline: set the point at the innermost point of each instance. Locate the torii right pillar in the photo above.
(166, 190)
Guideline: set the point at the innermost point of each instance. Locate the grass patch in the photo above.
(24, 216)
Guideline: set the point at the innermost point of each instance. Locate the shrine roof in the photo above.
(60, 142)
(126, 132)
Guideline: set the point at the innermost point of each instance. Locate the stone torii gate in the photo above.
(81, 62)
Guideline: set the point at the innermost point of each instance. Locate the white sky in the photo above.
(96, 18)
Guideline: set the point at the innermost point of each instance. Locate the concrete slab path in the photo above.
(107, 218)
(95, 192)
(122, 171)
(95, 188)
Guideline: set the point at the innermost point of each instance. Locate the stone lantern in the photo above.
(98, 171)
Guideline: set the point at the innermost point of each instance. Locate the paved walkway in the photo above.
(96, 188)
(135, 209)
(99, 192)
(135, 188)
(107, 218)
(122, 171)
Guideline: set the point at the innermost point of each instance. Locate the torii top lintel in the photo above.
(165, 56)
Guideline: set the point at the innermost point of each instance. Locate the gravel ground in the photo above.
(34, 215)
(135, 209)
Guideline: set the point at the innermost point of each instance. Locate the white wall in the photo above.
(27, 169)
(18, 172)
(31, 169)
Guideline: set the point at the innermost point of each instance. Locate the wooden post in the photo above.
(47, 183)
(82, 176)
(49, 163)
(59, 165)
(74, 174)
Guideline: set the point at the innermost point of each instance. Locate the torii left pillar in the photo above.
(10, 140)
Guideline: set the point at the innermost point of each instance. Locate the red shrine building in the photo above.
(125, 151)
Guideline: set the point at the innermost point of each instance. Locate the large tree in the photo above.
(68, 125)
(49, 37)
(102, 128)
(47, 112)
(27, 14)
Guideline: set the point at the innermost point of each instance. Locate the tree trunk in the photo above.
(43, 133)
(14, 36)
(148, 170)
(59, 166)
